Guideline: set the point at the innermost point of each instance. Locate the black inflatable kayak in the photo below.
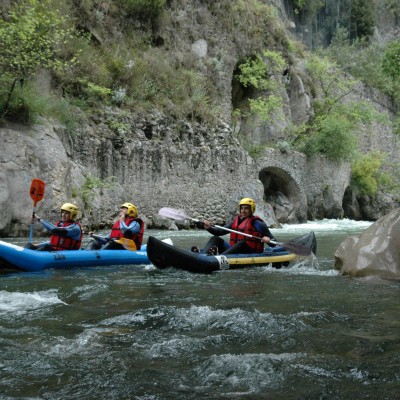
(164, 255)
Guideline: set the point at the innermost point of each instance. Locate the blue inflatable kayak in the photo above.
(13, 257)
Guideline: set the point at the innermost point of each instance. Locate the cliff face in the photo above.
(154, 160)
(154, 164)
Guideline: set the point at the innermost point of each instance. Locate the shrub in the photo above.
(33, 37)
(262, 74)
(29, 101)
(367, 173)
(391, 60)
(90, 187)
(333, 138)
(376, 66)
(333, 130)
(142, 9)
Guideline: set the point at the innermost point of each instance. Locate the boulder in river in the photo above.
(376, 252)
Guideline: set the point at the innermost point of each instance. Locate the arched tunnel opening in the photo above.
(351, 206)
(282, 193)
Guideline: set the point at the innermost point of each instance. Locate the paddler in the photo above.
(66, 234)
(245, 222)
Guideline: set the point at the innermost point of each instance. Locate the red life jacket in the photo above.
(246, 226)
(63, 242)
(116, 232)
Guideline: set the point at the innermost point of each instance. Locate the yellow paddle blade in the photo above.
(127, 243)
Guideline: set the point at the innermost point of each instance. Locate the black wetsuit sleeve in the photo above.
(220, 231)
(264, 230)
(59, 232)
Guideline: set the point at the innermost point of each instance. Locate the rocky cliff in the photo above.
(154, 164)
(154, 160)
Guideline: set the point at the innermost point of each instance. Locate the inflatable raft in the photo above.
(13, 257)
(164, 255)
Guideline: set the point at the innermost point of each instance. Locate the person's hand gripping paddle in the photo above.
(37, 193)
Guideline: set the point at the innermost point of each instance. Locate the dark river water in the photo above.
(135, 332)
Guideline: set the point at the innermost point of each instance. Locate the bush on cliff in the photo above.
(33, 37)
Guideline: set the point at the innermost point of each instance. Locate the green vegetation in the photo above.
(311, 7)
(118, 127)
(361, 19)
(144, 9)
(89, 188)
(377, 65)
(333, 130)
(391, 60)
(254, 151)
(35, 36)
(129, 72)
(333, 136)
(323, 18)
(249, 19)
(262, 74)
(368, 173)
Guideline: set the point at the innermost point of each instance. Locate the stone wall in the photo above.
(154, 165)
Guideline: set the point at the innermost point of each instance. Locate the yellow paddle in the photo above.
(128, 244)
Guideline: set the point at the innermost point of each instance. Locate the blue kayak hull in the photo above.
(17, 257)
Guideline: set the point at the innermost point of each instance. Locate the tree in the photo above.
(34, 36)
(362, 21)
(391, 60)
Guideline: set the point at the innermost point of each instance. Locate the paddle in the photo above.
(180, 216)
(37, 193)
(128, 244)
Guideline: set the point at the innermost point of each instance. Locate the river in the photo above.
(124, 332)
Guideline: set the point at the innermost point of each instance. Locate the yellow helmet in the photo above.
(248, 202)
(132, 209)
(71, 208)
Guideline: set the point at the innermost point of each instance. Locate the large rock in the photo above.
(375, 252)
(27, 153)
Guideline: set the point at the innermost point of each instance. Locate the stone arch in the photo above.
(283, 193)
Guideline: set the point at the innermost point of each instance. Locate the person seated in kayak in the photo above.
(127, 226)
(245, 222)
(66, 234)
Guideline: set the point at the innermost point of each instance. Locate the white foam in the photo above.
(327, 225)
(168, 241)
(22, 302)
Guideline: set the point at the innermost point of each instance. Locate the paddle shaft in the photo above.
(293, 247)
(98, 237)
(128, 244)
(232, 230)
(180, 215)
